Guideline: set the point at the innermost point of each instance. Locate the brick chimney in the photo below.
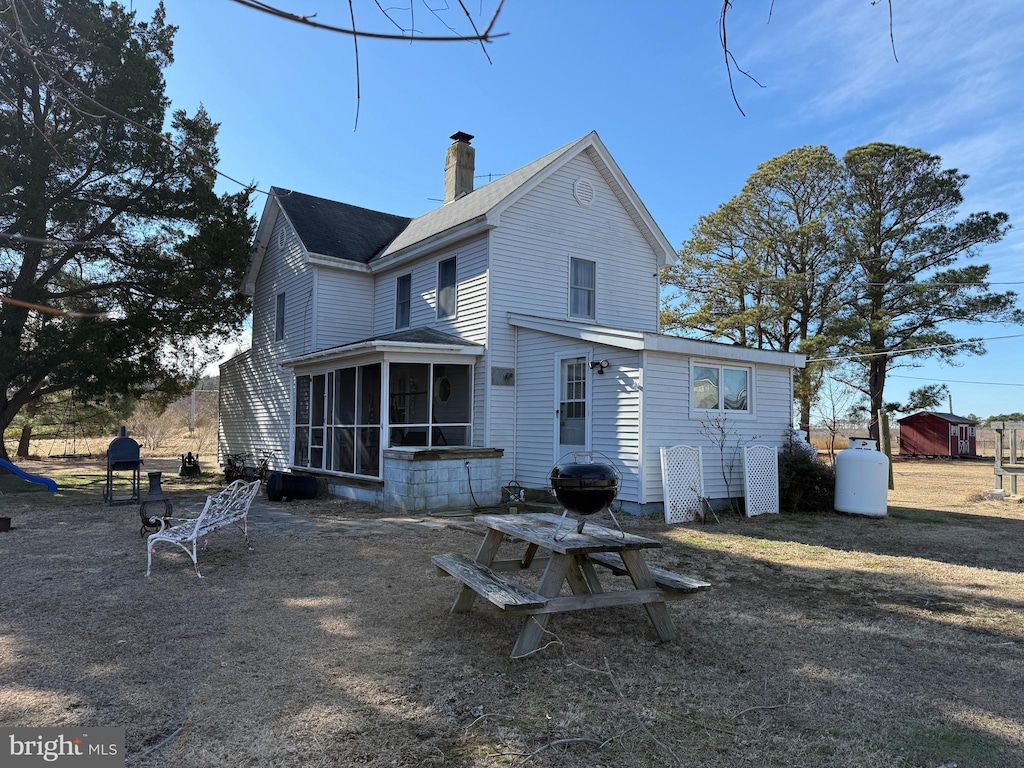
(459, 164)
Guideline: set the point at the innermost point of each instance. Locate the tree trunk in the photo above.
(23, 442)
(876, 390)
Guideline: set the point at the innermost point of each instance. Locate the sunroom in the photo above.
(383, 411)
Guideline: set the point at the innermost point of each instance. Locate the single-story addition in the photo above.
(424, 363)
(938, 434)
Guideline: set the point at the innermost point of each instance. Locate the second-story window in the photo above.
(403, 301)
(447, 294)
(279, 319)
(582, 288)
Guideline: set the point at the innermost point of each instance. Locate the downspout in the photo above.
(515, 402)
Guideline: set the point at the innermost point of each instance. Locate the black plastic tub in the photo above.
(281, 486)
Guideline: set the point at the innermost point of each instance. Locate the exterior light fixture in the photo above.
(600, 365)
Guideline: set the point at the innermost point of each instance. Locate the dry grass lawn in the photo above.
(824, 641)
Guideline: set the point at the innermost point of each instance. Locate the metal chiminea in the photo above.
(154, 495)
(123, 456)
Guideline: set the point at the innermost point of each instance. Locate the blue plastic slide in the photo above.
(51, 486)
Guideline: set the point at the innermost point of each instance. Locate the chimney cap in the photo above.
(461, 136)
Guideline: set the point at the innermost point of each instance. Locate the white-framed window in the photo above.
(279, 318)
(582, 288)
(403, 301)
(720, 388)
(447, 289)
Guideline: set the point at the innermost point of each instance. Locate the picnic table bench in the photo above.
(229, 507)
(568, 560)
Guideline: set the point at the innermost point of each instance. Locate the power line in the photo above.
(899, 352)
(958, 381)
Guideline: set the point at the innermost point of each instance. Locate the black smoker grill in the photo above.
(584, 488)
(123, 456)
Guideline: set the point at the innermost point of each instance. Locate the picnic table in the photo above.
(569, 559)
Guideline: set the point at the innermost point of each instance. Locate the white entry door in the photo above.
(573, 420)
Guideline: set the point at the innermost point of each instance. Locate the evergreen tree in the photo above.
(114, 246)
(764, 269)
(903, 244)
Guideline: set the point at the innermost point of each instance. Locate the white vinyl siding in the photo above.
(343, 309)
(255, 391)
(471, 286)
(529, 274)
(613, 402)
(669, 419)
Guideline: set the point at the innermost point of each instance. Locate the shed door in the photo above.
(964, 440)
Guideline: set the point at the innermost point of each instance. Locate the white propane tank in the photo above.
(862, 479)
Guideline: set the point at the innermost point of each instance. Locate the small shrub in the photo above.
(806, 484)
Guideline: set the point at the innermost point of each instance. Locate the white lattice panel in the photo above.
(682, 481)
(761, 479)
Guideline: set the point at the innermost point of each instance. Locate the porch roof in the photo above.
(424, 341)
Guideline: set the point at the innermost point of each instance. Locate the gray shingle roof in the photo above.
(339, 230)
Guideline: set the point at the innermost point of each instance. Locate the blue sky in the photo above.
(649, 78)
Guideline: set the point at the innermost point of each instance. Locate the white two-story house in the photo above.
(425, 363)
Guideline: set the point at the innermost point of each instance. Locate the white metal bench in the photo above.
(229, 507)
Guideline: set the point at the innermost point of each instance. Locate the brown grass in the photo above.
(825, 640)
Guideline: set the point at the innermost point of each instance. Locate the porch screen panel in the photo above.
(301, 458)
(353, 439)
(368, 422)
(431, 404)
(317, 417)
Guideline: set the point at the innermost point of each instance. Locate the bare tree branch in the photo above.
(486, 36)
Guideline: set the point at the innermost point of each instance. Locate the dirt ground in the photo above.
(824, 641)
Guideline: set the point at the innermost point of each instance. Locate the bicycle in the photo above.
(236, 468)
(263, 465)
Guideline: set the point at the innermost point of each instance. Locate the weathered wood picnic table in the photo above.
(571, 558)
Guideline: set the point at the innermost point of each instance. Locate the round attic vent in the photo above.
(583, 191)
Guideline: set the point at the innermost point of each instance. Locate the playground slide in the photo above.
(51, 486)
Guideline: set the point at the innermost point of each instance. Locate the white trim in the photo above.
(332, 262)
(593, 291)
(379, 346)
(595, 334)
(559, 358)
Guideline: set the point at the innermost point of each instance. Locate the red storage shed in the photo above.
(938, 434)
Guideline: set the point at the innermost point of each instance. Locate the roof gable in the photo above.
(485, 205)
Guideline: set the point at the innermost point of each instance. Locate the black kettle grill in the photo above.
(584, 488)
